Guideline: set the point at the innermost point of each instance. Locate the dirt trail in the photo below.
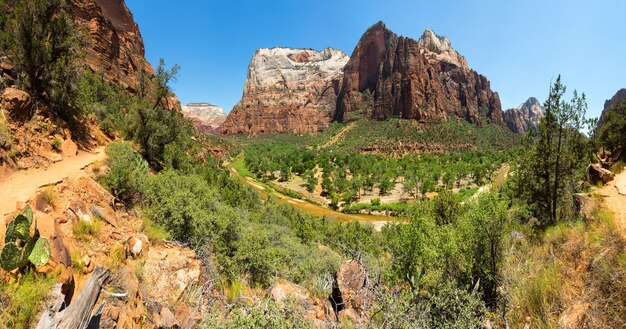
(21, 185)
(614, 193)
(333, 140)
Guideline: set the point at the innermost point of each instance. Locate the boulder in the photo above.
(135, 245)
(352, 294)
(596, 174)
(69, 148)
(168, 271)
(167, 319)
(16, 104)
(584, 205)
(315, 309)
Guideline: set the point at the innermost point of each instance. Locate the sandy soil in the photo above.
(614, 193)
(21, 185)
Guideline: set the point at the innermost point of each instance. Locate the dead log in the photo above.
(78, 315)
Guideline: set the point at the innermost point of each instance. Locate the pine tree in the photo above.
(551, 164)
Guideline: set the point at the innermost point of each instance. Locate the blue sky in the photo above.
(519, 45)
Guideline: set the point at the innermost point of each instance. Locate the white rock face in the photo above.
(205, 116)
(293, 68)
(288, 90)
(439, 48)
(525, 116)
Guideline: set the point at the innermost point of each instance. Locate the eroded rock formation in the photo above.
(525, 116)
(426, 80)
(619, 97)
(115, 44)
(206, 117)
(288, 90)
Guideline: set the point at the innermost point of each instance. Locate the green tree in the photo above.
(552, 163)
(611, 133)
(45, 48)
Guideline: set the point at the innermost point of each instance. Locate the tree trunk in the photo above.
(79, 314)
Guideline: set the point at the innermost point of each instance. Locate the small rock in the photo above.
(86, 260)
(168, 320)
(114, 313)
(134, 246)
(69, 148)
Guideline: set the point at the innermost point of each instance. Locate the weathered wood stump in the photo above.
(79, 314)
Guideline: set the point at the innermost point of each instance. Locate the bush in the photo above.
(128, 172)
(84, 230)
(21, 302)
(154, 232)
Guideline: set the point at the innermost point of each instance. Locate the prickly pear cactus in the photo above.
(19, 247)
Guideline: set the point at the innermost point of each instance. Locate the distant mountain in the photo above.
(205, 116)
(525, 116)
(619, 97)
(426, 80)
(288, 90)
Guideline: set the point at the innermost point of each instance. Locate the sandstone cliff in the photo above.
(525, 116)
(288, 90)
(426, 80)
(619, 97)
(115, 44)
(206, 117)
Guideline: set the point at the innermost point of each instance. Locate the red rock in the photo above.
(425, 80)
(16, 104)
(69, 148)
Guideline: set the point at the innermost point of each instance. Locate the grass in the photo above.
(117, 256)
(235, 290)
(49, 196)
(21, 301)
(84, 230)
(287, 192)
(572, 264)
(56, 144)
(392, 209)
(617, 167)
(154, 231)
(240, 166)
(139, 267)
(77, 262)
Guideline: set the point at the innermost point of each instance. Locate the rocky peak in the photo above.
(439, 48)
(288, 90)
(526, 115)
(426, 80)
(619, 97)
(205, 116)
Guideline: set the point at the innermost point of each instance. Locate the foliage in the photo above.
(20, 248)
(267, 314)
(610, 133)
(21, 301)
(46, 50)
(552, 164)
(154, 232)
(127, 174)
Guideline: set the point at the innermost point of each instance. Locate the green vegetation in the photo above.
(20, 248)
(154, 232)
(21, 301)
(84, 230)
(612, 130)
(549, 172)
(128, 172)
(45, 49)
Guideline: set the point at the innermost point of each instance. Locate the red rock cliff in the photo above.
(425, 80)
(116, 48)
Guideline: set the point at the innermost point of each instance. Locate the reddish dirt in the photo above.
(614, 193)
(21, 185)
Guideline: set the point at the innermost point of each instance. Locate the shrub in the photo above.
(154, 232)
(127, 174)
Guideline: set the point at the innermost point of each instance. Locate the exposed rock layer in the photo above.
(426, 80)
(115, 47)
(288, 90)
(206, 117)
(619, 97)
(525, 116)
